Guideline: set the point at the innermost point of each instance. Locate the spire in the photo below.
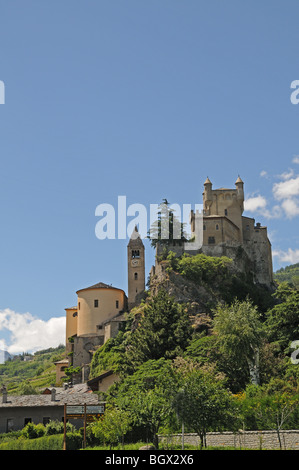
(207, 181)
(135, 237)
(239, 180)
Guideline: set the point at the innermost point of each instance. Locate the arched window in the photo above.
(135, 276)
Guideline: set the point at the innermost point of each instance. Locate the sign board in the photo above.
(86, 412)
(79, 411)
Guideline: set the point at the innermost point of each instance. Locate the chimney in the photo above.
(4, 395)
(53, 394)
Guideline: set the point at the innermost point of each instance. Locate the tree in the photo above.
(164, 330)
(167, 230)
(26, 388)
(240, 332)
(282, 321)
(113, 426)
(271, 406)
(203, 403)
(147, 396)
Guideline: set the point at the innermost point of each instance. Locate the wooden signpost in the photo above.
(86, 412)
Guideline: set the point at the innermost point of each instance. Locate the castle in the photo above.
(101, 308)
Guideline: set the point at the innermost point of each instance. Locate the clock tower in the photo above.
(136, 268)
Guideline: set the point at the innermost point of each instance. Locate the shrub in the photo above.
(57, 427)
(54, 442)
(33, 431)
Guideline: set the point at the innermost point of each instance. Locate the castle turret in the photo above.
(207, 196)
(240, 193)
(136, 268)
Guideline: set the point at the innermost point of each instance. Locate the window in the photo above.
(79, 306)
(46, 421)
(225, 211)
(27, 420)
(135, 254)
(116, 303)
(247, 227)
(9, 425)
(96, 303)
(204, 227)
(135, 276)
(211, 240)
(217, 227)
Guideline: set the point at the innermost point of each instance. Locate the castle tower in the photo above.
(207, 196)
(240, 193)
(136, 267)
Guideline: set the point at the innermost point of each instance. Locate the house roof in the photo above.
(75, 395)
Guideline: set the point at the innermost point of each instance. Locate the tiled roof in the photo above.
(75, 395)
(99, 285)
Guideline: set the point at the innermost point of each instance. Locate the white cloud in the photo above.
(258, 205)
(286, 189)
(287, 174)
(290, 256)
(263, 174)
(30, 334)
(255, 203)
(296, 159)
(291, 207)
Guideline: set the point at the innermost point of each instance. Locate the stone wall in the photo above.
(242, 440)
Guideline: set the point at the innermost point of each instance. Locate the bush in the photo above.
(57, 427)
(54, 442)
(33, 431)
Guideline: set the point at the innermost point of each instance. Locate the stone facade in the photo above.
(267, 440)
(136, 268)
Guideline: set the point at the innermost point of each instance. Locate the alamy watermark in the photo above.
(2, 92)
(159, 221)
(295, 94)
(294, 358)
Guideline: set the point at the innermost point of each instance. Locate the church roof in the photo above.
(99, 285)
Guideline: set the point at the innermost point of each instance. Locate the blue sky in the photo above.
(142, 99)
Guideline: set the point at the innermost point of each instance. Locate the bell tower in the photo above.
(136, 268)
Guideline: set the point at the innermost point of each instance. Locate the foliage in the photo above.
(282, 323)
(70, 372)
(113, 426)
(203, 402)
(39, 371)
(26, 388)
(110, 356)
(289, 274)
(146, 395)
(272, 406)
(57, 427)
(240, 332)
(164, 330)
(200, 268)
(53, 442)
(33, 431)
(167, 230)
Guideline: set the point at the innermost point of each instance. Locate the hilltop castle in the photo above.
(101, 308)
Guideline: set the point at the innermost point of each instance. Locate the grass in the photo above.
(137, 445)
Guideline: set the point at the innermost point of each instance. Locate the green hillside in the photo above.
(29, 372)
(288, 274)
